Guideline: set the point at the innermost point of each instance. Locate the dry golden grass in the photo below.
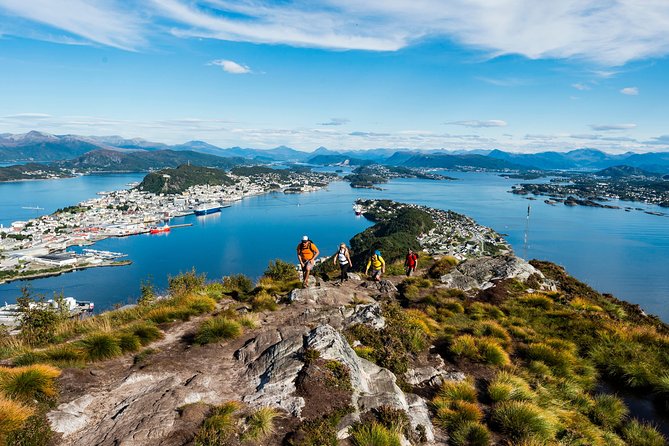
(12, 416)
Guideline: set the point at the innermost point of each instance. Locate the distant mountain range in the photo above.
(119, 151)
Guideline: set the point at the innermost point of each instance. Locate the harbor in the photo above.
(43, 246)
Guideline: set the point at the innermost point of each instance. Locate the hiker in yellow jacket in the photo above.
(378, 266)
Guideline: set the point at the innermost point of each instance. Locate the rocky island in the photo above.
(614, 183)
(484, 350)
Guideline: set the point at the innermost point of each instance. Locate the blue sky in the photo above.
(518, 75)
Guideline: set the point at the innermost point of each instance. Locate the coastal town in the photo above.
(453, 234)
(38, 247)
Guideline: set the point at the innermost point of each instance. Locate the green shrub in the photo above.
(185, 283)
(237, 286)
(33, 382)
(521, 420)
(442, 267)
(608, 411)
(100, 346)
(281, 271)
(217, 328)
(373, 434)
(471, 433)
(260, 424)
(642, 434)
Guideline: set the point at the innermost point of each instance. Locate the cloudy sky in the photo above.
(519, 75)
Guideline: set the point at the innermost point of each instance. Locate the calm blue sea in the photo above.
(623, 253)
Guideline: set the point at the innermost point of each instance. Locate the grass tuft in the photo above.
(216, 329)
(471, 433)
(146, 332)
(33, 382)
(508, 387)
(636, 433)
(100, 346)
(219, 426)
(260, 424)
(129, 342)
(521, 420)
(373, 434)
(608, 411)
(13, 415)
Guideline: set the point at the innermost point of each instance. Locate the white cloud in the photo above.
(479, 124)
(612, 127)
(581, 87)
(606, 32)
(630, 91)
(108, 23)
(230, 66)
(27, 116)
(610, 33)
(336, 121)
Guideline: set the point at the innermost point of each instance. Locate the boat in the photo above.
(209, 208)
(159, 229)
(10, 314)
(357, 209)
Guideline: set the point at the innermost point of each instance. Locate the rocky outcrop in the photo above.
(122, 403)
(482, 273)
(275, 371)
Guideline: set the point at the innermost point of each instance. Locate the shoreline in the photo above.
(42, 275)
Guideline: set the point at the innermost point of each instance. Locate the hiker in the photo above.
(411, 262)
(343, 257)
(378, 266)
(306, 254)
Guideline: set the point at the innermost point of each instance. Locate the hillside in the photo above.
(139, 161)
(37, 146)
(625, 171)
(485, 350)
(176, 181)
(460, 161)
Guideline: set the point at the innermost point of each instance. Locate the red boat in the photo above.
(159, 229)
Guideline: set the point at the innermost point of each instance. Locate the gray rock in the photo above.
(367, 314)
(482, 272)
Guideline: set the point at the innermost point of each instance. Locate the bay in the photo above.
(623, 253)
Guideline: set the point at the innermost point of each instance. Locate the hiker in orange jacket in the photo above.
(307, 252)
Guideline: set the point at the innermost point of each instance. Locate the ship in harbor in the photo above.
(358, 209)
(209, 208)
(159, 229)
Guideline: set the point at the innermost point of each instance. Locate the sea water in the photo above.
(623, 253)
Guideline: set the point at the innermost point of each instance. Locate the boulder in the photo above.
(369, 314)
